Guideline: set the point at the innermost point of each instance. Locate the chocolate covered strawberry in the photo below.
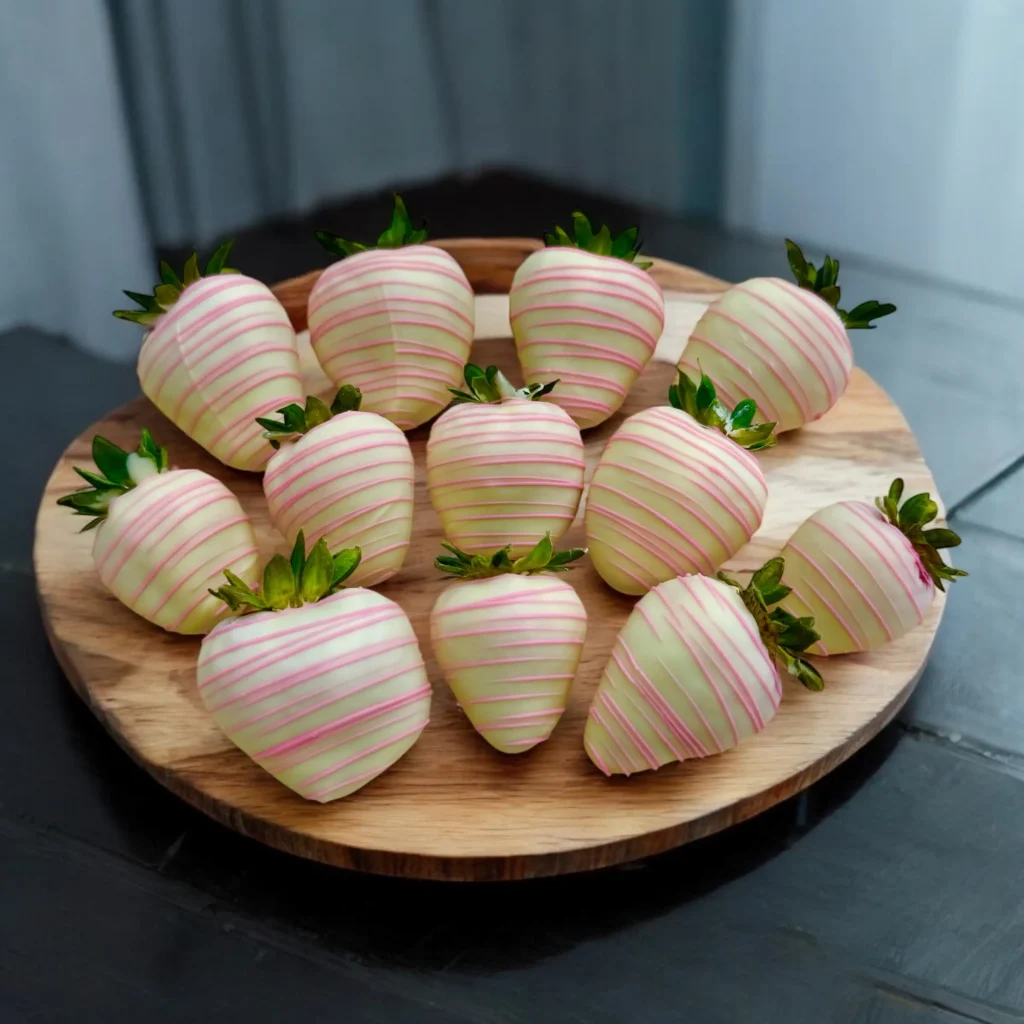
(676, 490)
(163, 536)
(693, 671)
(583, 310)
(783, 344)
(343, 475)
(394, 320)
(868, 574)
(503, 467)
(509, 640)
(323, 688)
(220, 352)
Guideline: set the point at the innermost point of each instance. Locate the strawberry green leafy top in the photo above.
(702, 403)
(910, 519)
(543, 558)
(292, 582)
(296, 421)
(822, 281)
(171, 286)
(785, 636)
(401, 232)
(491, 385)
(624, 246)
(119, 471)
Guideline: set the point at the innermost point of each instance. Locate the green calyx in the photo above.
(296, 420)
(171, 286)
(543, 558)
(701, 402)
(401, 232)
(119, 471)
(785, 636)
(292, 582)
(822, 281)
(491, 385)
(624, 246)
(910, 519)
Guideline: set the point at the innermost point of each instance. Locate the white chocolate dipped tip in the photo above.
(167, 541)
(688, 677)
(324, 697)
(776, 343)
(398, 324)
(509, 647)
(349, 481)
(505, 474)
(590, 321)
(670, 497)
(222, 355)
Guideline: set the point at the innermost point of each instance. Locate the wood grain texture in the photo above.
(454, 808)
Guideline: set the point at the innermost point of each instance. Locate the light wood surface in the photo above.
(454, 808)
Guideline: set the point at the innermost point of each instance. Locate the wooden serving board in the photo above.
(454, 808)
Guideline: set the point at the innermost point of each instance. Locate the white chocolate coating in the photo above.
(504, 474)
(166, 542)
(398, 325)
(350, 481)
(222, 355)
(509, 647)
(323, 697)
(857, 575)
(780, 345)
(590, 321)
(688, 677)
(670, 497)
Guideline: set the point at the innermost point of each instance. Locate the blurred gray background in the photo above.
(891, 130)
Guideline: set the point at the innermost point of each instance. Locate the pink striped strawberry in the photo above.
(693, 671)
(783, 344)
(323, 688)
(220, 352)
(163, 536)
(502, 467)
(676, 490)
(345, 476)
(868, 574)
(394, 320)
(585, 311)
(509, 640)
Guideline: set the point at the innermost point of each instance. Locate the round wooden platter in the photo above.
(454, 808)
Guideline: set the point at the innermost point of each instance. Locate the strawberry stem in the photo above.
(296, 420)
(169, 290)
(701, 402)
(784, 635)
(542, 558)
(402, 231)
(291, 582)
(910, 519)
(624, 246)
(823, 281)
(491, 385)
(119, 472)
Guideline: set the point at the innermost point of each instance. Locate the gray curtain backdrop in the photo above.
(128, 123)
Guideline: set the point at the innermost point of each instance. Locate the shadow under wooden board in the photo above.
(454, 808)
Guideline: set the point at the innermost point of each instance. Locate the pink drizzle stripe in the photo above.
(541, 445)
(189, 365)
(405, 349)
(322, 726)
(168, 540)
(566, 308)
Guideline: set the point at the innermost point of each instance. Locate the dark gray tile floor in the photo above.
(892, 892)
